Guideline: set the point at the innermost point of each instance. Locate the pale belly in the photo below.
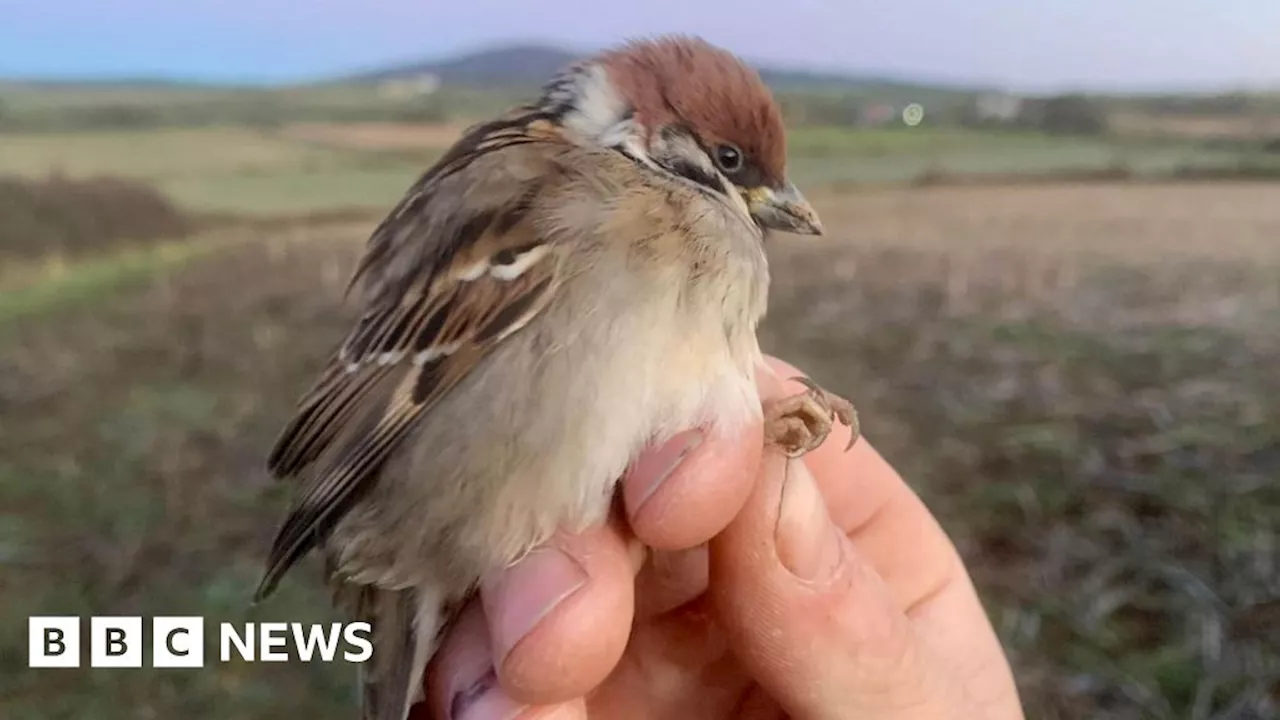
(538, 435)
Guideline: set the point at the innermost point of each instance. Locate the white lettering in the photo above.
(272, 636)
(317, 638)
(229, 636)
(353, 635)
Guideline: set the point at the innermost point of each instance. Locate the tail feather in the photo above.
(406, 627)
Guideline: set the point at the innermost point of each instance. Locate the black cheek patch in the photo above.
(692, 172)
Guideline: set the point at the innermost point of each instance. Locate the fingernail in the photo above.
(654, 467)
(484, 700)
(809, 544)
(527, 592)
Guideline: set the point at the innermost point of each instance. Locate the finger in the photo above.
(461, 685)
(809, 618)
(682, 492)
(670, 579)
(896, 535)
(893, 530)
(901, 541)
(559, 618)
(677, 665)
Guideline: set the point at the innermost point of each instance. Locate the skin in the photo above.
(749, 586)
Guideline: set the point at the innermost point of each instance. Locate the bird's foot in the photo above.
(799, 423)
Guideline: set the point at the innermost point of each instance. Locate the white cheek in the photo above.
(599, 107)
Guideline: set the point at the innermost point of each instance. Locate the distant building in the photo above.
(878, 114)
(998, 108)
(412, 86)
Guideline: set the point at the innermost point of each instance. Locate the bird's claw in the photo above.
(799, 423)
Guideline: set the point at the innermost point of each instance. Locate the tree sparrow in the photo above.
(568, 283)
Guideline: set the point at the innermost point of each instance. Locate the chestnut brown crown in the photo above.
(679, 80)
(694, 112)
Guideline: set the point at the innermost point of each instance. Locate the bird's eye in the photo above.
(728, 158)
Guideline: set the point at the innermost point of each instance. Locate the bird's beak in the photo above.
(783, 209)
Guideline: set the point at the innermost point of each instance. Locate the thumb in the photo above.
(813, 623)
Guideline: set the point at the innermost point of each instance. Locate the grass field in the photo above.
(314, 166)
(1078, 377)
(62, 107)
(233, 169)
(1075, 377)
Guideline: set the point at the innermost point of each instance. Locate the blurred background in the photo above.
(1051, 283)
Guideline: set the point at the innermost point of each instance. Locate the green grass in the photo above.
(159, 154)
(297, 191)
(56, 107)
(806, 141)
(262, 171)
(133, 484)
(843, 156)
(81, 281)
(239, 170)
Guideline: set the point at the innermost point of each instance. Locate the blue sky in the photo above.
(1020, 44)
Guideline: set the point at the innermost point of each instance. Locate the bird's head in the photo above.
(691, 110)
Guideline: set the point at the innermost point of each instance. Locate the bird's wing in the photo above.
(457, 267)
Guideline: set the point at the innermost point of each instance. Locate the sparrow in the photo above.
(569, 283)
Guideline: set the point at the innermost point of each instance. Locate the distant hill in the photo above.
(510, 67)
(527, 66)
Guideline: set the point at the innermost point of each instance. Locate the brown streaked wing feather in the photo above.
(409, 251)
(487, 312)
(406, 352)
(522, 126)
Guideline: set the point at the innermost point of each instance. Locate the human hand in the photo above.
(820, 588)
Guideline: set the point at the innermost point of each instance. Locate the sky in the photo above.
(1016, 44)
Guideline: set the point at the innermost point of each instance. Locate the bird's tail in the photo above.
(406, 627)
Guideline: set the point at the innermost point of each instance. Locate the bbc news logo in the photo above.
(178, 642)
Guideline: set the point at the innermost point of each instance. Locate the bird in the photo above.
(570, 282)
